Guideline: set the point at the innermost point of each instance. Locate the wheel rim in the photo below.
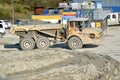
(27, 44)
(42, 43)
(74, 43)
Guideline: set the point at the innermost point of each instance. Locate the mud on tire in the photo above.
(74, 43)
(42, 43)
(27, 44)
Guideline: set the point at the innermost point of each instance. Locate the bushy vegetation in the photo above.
(23, 8)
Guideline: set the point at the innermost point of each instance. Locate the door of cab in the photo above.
(112, 19)
(71, 27)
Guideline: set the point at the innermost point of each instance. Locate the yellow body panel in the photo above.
(69, 12)
(98, 24)
(34, 27)
(84, 37)
(46, 17)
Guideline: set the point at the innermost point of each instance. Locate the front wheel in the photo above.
(75, 43)
(27, 44)
(42, 43)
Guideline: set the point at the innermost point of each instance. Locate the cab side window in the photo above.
(113, 16)
(86, 23)
(1, 26)
(71, 24)
(78, 24)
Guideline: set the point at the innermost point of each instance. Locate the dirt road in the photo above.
(92, 62)
(110, 44)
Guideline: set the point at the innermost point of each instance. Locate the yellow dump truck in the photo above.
(76, 33)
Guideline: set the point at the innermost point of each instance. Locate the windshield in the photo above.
(6, 22)
(82, 24)
(71, 24)
(1, 26)
(79, 24)
(86, 24)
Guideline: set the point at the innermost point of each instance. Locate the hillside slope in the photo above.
(24, 8)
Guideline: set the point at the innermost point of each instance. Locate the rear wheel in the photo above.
(27, 44)
(75, 43)
(42, 43)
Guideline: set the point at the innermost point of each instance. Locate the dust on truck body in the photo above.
(75, 34)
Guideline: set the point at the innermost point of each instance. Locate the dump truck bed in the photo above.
(35, 27)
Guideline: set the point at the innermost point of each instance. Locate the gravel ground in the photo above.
(93, 62)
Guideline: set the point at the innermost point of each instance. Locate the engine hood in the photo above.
(92, 30)
(96, 31)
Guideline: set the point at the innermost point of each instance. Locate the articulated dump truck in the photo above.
(76, 33)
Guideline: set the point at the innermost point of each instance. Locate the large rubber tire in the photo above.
(42, 43)
(75, 43)
(27, 44)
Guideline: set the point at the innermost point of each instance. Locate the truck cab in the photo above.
(80, 32)
(113, 18)
(78, 24)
